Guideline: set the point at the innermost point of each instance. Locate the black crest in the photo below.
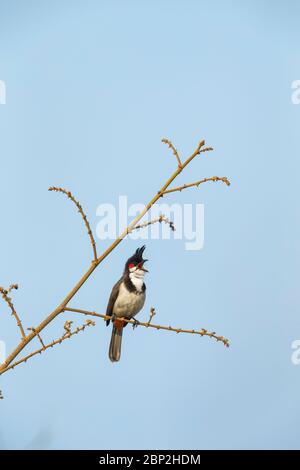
(137, 258)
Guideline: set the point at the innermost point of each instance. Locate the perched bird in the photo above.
(127, 298)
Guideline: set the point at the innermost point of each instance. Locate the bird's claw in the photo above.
(135, 323)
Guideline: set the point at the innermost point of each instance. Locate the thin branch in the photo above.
(198, 150)
(83, 215)
(213, 178)
(174, 150)
(65, 336)
(9, 302)
(160, 219)
(67, 327)
(38, 336)
(152, 313)
(201, 332)
(206, 149)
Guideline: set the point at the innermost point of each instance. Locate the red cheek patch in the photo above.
(131, 265)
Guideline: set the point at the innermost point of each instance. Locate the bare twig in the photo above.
(160, 219)
(65, 336)
(38, 336)
(174, 150)
(205, 180)
(199, 149)
(67, 327)
(152, 313)
(9, 302)
(201, 332)
(82, 213)
(1, 396)
(206, 149)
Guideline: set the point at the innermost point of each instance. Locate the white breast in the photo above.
(137, 279)
(128, 304)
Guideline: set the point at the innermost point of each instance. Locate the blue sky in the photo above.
(91, 88)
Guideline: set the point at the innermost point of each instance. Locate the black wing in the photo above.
(112, 298)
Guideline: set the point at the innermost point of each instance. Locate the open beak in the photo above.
(143, 268)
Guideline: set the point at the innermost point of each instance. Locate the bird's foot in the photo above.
(135, 323)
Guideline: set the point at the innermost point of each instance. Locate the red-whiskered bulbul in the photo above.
(127, 298)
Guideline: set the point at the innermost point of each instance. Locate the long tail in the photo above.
(115, 343)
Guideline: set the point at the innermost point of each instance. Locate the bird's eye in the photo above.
(131, 266)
